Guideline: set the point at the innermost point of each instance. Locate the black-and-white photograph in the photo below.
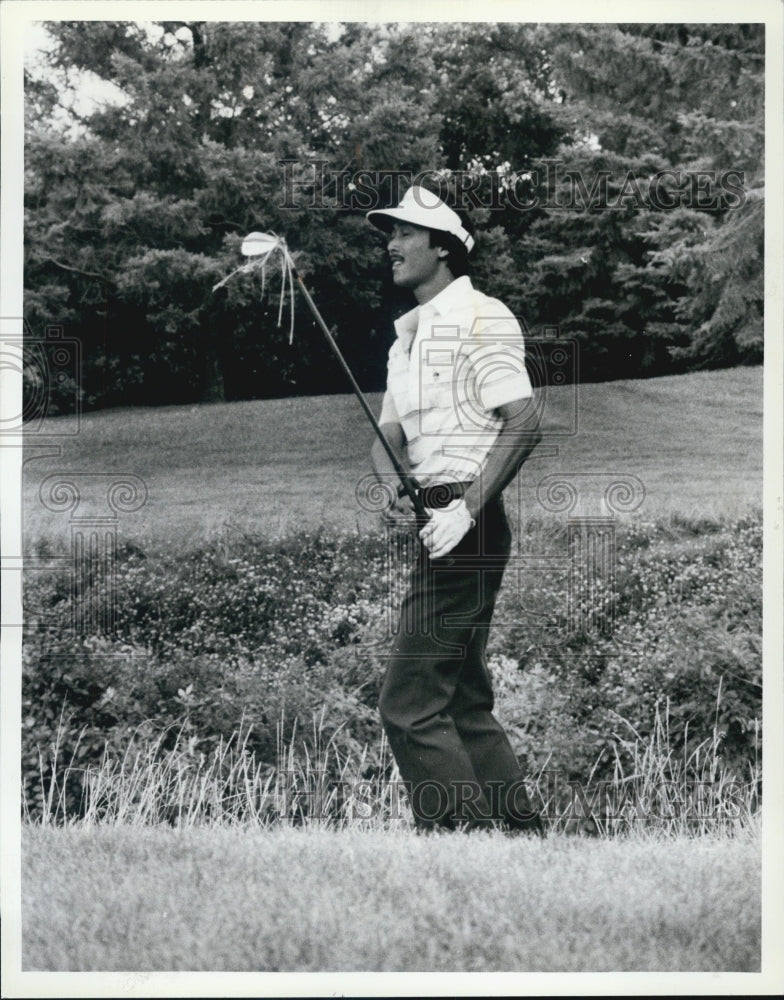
(384, 499)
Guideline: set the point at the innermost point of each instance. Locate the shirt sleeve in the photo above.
(498, 371)
(510, 383)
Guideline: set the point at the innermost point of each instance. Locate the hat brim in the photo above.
(385, 218)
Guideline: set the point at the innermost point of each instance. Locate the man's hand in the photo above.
(401, 514)
(446, 528)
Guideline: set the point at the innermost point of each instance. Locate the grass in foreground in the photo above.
(287, 900)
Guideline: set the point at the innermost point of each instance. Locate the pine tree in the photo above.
(136, 209)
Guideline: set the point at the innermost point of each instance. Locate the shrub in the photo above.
(687, 624)
(256, 636)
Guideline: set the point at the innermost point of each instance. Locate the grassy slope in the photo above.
(694, 440)
(292, 900)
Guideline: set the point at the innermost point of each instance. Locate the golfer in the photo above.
(458, 413)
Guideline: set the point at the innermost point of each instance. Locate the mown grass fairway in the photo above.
(268, 466)
(227, 900)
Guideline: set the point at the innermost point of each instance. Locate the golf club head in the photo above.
(258, 244)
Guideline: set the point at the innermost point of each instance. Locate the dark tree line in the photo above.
(613, 173)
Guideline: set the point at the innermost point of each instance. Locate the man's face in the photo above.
(414, 261)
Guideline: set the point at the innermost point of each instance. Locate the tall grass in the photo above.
(317, 784)
(690, 792)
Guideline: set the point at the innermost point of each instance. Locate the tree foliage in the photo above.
(134, 209)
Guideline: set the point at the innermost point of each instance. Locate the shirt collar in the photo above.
(454, 295)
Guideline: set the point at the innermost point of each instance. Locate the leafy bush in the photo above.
(257, 636)
(687, 622)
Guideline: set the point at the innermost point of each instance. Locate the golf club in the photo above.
(260, 247)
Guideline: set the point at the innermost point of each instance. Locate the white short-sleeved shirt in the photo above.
(455, 360)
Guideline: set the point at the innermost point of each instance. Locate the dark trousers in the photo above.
(437, 699)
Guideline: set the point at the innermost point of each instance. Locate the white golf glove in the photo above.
(446, 528)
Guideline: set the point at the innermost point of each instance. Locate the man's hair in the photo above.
(457, 255)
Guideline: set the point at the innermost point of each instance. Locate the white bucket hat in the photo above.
(421, 207)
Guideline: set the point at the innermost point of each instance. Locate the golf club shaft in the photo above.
(416, 500)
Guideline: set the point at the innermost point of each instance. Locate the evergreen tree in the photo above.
(134, 210)
(686, 276)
